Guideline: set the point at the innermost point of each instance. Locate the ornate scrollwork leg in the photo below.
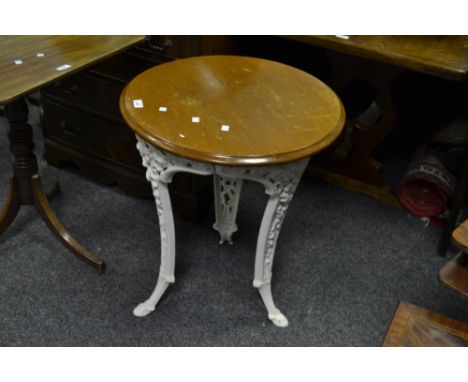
(226, 194)
(280, 183)
(161, 167)
(266, 244)
(166, 270)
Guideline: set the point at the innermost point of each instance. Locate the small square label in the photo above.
(18, 62)
(225, 127)
(63, 67)
(138, 103)
(162, 109)
(196, 119)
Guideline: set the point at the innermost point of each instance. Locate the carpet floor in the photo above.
(343, 262)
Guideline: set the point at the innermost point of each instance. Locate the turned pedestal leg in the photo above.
(226, 195)
(25, 184)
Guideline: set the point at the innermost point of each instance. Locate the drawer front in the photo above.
(187, 46)
(126, 66)
(156, 50)
(173, 47)
(90, 135)
(87, 92)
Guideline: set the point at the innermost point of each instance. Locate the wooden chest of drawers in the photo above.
(82, 124)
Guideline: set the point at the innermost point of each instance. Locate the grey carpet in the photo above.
(343, 263)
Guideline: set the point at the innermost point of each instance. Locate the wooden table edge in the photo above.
(341, 46)
(73, 70)
(229, 160)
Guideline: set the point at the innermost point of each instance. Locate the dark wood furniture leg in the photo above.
(12, 206)
(26, 187)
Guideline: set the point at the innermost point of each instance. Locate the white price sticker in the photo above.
(63, 67)
(138, 103)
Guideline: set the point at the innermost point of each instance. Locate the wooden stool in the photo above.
(234, 118)
(455, 273)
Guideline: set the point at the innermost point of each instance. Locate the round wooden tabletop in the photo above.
(232, 110)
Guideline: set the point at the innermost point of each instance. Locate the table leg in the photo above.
(280, 183)
(25, 184)
(166, 227)
(57, 228)
(161, 167)
(12, 206)
(226, 195)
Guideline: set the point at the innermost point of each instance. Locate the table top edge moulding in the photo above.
(240, 93)
(27, 63)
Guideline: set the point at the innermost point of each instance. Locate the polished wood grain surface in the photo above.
(415, 326)
(455, 274)
(442, 56)
(275, 113)
(35, 71)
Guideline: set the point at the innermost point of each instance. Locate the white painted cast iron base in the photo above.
(280, 182)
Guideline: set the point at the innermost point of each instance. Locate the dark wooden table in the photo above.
(441, 56)
(27, 63)
(378, 61)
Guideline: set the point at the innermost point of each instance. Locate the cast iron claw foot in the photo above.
(143, 309)
(279, 319)
(148, 306)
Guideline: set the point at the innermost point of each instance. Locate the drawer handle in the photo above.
(160, 47)
(71, 90)
(74, 131)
